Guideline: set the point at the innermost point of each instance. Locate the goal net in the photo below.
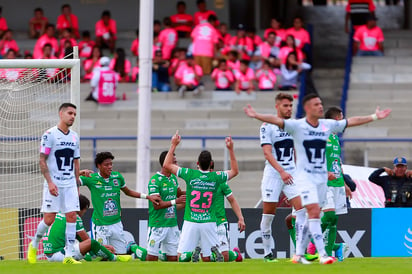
(31, 92)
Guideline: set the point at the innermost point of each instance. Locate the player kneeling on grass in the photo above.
(54, 241)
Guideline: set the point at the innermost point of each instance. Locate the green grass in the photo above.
(351, 265)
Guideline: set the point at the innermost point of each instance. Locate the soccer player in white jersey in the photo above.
(310, 134)
(59, 164)
(277, 146)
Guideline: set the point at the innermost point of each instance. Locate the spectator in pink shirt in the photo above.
(11, 74)
(92, 62)
(223, 76)
(106, 31)
(67, 20)
(276, 26)
(202, 15)
(121, 65)
(242, 43)
(244, 78)
(179, 59)
(38, 23)
(233, 60)
(181, 21)
(188, 77)
(268, 50)
(167, 39)
(47, 38)
(265, 77)
(47, 53)
(302, 37)
(205, 39)
(7, 43)
(368, 39)
(66, 37)
(3, 23)
(135, 45)
(224, 34)
(251, 33)
(86, 45)
(288, 48)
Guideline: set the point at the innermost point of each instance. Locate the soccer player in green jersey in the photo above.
(105, 187)
(54, 240)
(163, 230)
(199, 224)
(337, 190)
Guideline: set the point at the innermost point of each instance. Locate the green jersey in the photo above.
(105, 195)
(201, 187)
(219, 203)
(55, 238)
(166, 187)
(334, 163)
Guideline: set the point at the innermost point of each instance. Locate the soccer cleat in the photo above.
(299, 260)
(311, 249)
(239, 255)
(218, 255)
(32, 254)
(311, 257)
(123, 258)
(70, 260)
(196, 254)
(341, 252)
(326, 260)
(270, 258)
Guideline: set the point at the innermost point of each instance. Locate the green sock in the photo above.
(330, 220)
(162, 256)
(88, 257)
(292, 232)
(140, 252)
(101, 251)
(185, 257)
(232, 255)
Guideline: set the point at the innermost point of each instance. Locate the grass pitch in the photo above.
(249, 266)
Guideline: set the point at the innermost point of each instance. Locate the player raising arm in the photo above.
(310, 135)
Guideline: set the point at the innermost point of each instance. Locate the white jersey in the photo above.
(282, 146)
(310, 145)
(61, 149)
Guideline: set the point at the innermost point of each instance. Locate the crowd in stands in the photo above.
(242, 62)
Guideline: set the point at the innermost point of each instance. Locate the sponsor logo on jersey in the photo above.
(152, 242)
(116, 182)
(316, 133)
(68, 144)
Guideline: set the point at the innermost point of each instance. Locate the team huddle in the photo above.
(302, 161)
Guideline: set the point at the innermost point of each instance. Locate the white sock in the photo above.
(41, 229)
(70, 239)
(302, 231)
(316, 231)
(266, 230)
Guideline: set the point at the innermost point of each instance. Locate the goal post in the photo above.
(31, 91)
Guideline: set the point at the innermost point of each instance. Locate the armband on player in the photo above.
(374, 117)
(173, 202)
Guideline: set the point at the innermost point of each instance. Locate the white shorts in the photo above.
(336, 199)
(111, 235)
(194, 234)
(223, 237)
(59, 256)
(272, 185)
(163, 238)
(66, 201)
(311, 193)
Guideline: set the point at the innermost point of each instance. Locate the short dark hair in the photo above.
(167, 21)
(66, 105)
(282, 96)
(181, 3)
(162, 157)
(102, 156)
(84, 202)
(50, 26)
(66, 6)
(106, 13)
(308, 97)
(333, 112)
(38, 9)
(205, 160)
(212, 18)
(200, 2)
(245, 62)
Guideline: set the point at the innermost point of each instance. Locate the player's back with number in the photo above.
(201, 186)
(61, 149)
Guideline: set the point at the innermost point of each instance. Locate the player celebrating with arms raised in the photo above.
(201, 186)
(310, 135)
(59, 164)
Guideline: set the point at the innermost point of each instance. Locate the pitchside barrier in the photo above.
(378, 232)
